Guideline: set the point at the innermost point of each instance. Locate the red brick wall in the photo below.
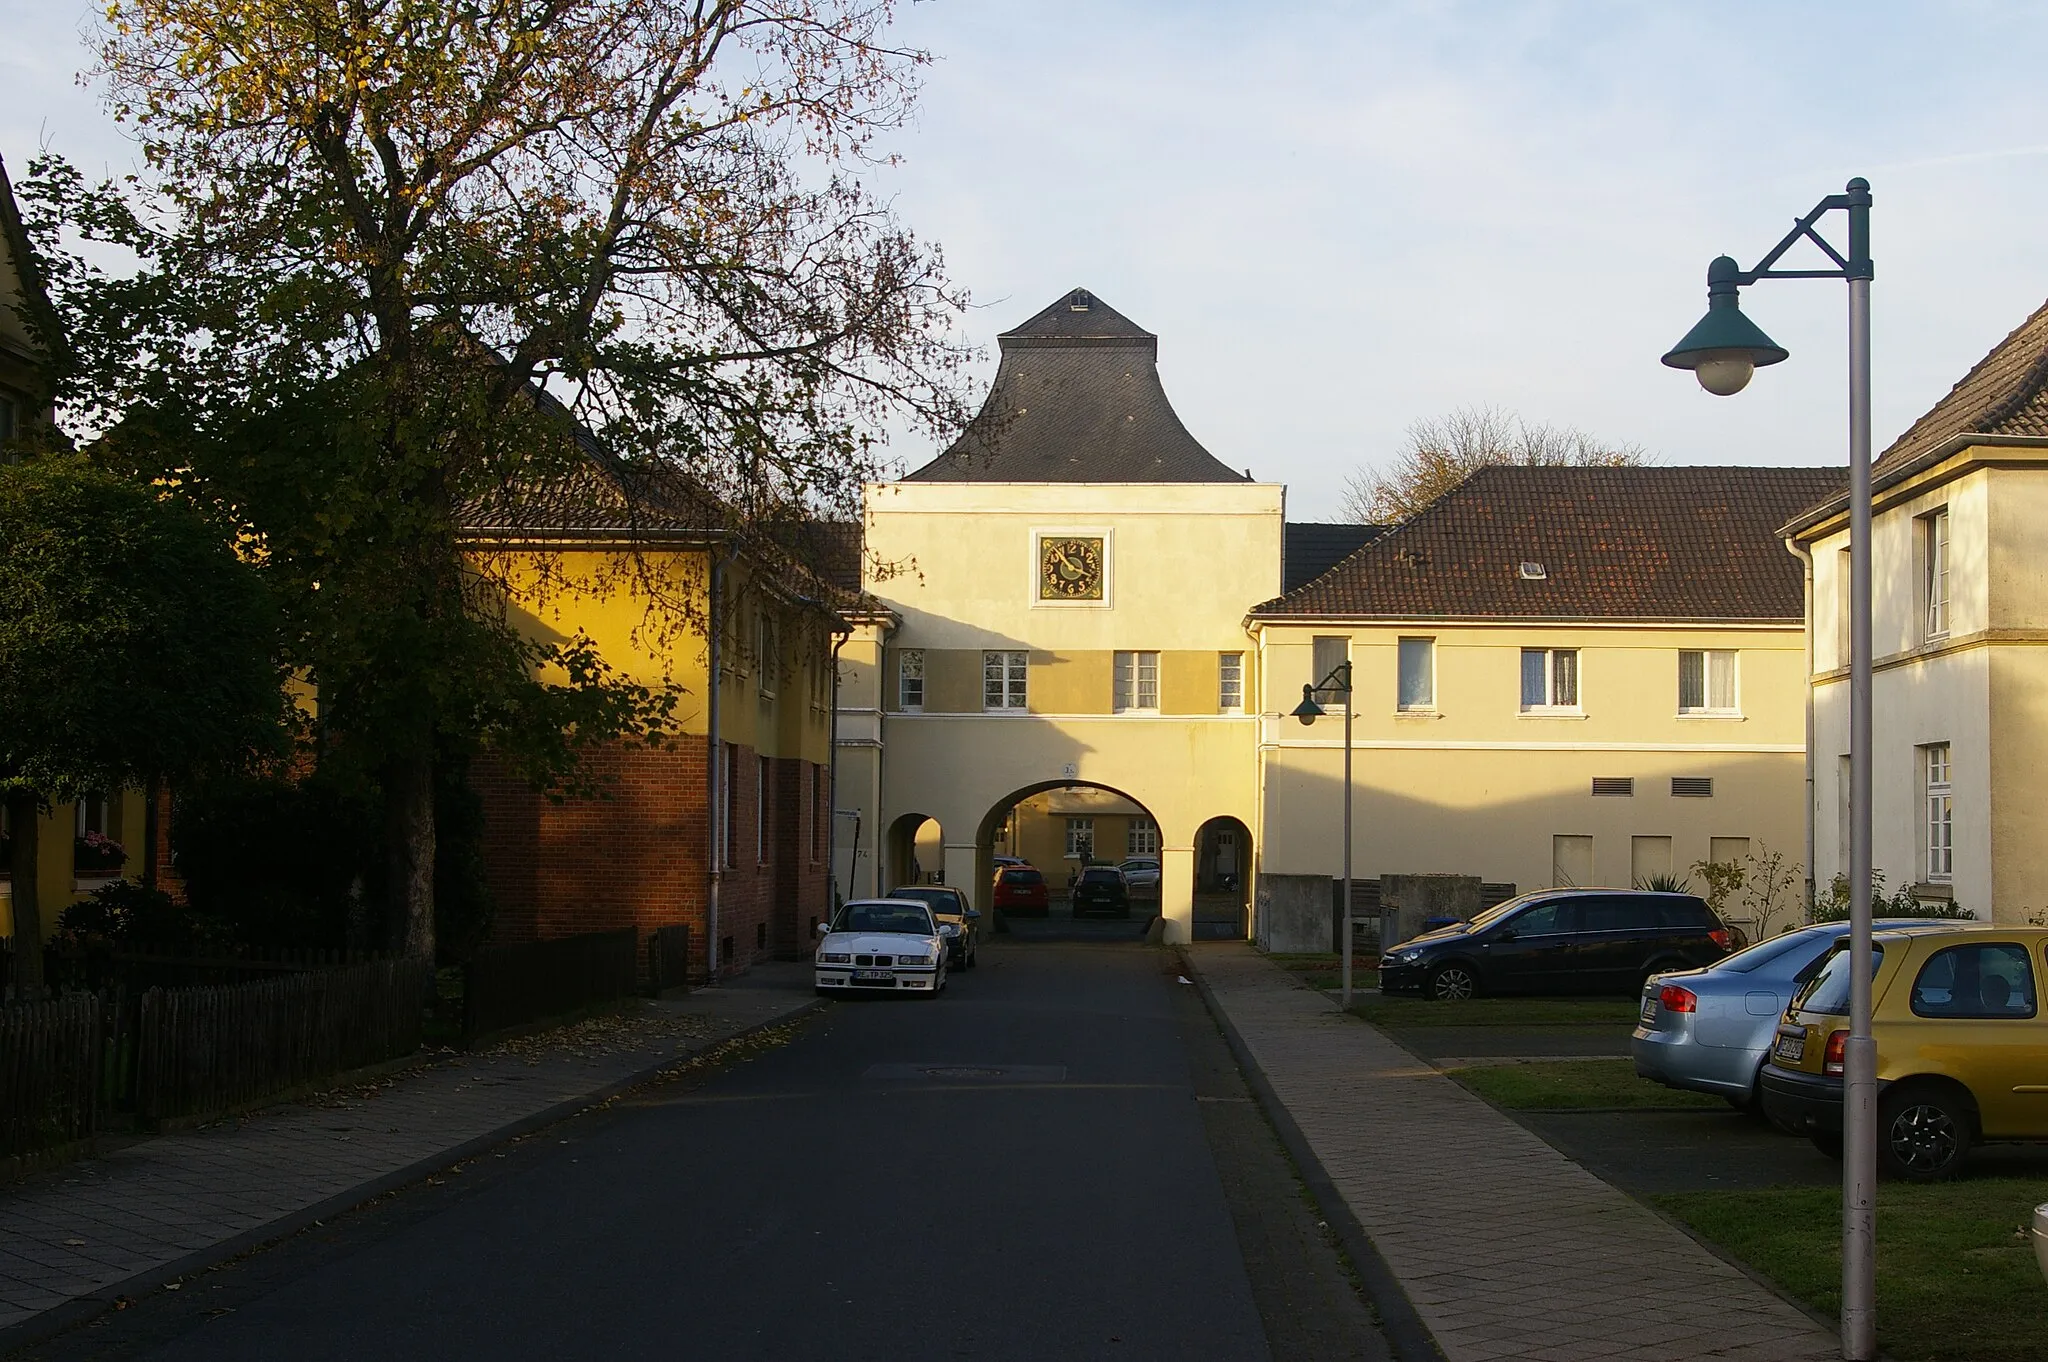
(639, 858)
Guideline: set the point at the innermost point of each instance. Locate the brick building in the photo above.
(726, 825)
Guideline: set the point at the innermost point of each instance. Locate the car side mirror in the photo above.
(974, 914)
(824, 929)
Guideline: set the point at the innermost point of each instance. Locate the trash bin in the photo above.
(2041, 1237)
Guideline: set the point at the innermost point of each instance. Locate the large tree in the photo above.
(375, 230)
(136, 646)
(1443, 451)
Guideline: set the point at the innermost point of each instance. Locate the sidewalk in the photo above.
(1506, 1248)
(74, 1239)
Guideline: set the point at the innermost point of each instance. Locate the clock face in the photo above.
(1069, 569)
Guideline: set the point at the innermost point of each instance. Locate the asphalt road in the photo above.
(1020, 1169)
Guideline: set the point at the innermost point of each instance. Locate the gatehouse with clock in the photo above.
(1054, 656)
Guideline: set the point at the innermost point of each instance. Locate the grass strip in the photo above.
(1397, 1012)
(1569, 1084)
(1956, 1276)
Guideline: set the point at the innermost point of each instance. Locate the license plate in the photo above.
(874, 975)
(1649, 1011)
(1791, 1049)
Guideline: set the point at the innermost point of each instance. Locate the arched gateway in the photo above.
(1057, 601)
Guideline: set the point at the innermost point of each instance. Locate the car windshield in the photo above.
(1828, 991)
(938, 900)
(1499, 911)
(886, 917)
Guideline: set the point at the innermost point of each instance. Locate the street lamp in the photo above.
(1308, 711)
(1722, 351)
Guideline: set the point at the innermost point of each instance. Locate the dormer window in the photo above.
(1080, 301)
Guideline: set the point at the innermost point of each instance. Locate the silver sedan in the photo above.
(1709, 1029)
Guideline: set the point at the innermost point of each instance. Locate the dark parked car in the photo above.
(1021, 892)
(1560, 941)
(958, 923)
(1101, 889)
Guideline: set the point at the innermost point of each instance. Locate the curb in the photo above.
(58, 1319)
(1402, 1327)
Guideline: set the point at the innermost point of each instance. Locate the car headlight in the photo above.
(914, 959)
(834, 958)
(1406, 957)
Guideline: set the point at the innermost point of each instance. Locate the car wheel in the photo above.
(1453, 983)
(1923, 1134)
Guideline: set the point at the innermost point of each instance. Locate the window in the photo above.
(1137, 682)
(1550, 678)
(1934, 771)
(1553, 917)
(1706, 681)
(1332, 653)
(1080, 838)
(1417, 674)
(821, 811)
(1230, 682)
(1842, 792)
(92, 815)
(1843, 605)
(1002, 680)
(1142, 839)
(1934, 554)
(1992, 979)
(761, 810)
(770, 660)
(730, 778)
(1649, 860)
(1727, 850)
(910, 680)
(7, 425)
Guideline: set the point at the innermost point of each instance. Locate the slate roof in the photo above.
(1077, 398)
(1308, 548)
(1613, 544)
(2005, 395)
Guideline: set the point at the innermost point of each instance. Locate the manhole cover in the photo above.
(967, 1073)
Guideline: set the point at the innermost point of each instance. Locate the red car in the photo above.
(1020, 892)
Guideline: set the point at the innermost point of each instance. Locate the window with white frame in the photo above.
(770, 656)
(92, 815)
(1550, 679)
(1940, 834)
(1417, 679)
(1002, 680)
(1934, 553)
(1137, 682)
(760, 810)
(1230, 682)
(910, 680)
(1142, 839)
(1844, 587)
(1330, 653)
(1706, 681)
(1081, 838)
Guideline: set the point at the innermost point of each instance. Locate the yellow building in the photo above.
(1959, 618)
(1588, 676)
(1056, 603)
(726, 826)
(1585, 676)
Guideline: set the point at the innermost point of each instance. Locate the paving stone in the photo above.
(1507, 1249)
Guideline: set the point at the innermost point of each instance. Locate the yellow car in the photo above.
(1962, 1046)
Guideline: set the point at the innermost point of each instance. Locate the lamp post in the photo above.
(1722, 351)
(1308, 711)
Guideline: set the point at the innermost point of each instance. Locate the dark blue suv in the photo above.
(1560, 941)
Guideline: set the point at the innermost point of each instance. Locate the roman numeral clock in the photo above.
(1069, 568)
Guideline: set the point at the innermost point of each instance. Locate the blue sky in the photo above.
(1342, 218)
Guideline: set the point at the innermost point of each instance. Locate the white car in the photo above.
(882, 944)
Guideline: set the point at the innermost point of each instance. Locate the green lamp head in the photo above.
(1726, 347)
(1308, 711)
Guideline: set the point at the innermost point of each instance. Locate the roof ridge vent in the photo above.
(1533, 572)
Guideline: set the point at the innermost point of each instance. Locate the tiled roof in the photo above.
(1311, 548)
(2006, 394)
(1077, 398)
(1608, 543)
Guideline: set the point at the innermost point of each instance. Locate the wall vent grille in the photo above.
(1620, 787)
(1692, 787)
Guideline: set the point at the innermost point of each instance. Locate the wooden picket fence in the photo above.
(51, 1056)
(509, 986)
(206, 1050)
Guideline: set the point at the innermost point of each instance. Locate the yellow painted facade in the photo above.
(58, 881)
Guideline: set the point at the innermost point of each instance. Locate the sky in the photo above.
(1341, 219)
